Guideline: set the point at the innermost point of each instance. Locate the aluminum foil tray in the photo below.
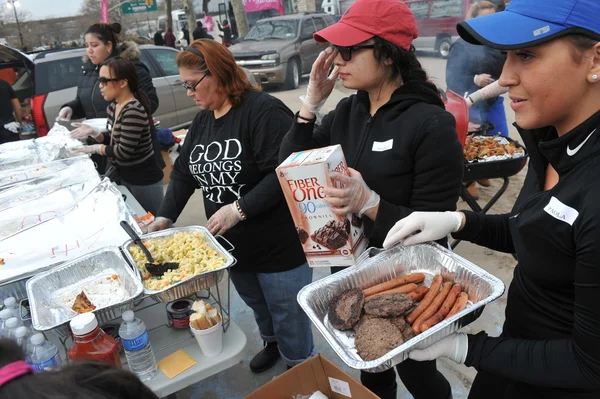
(104, 275)
(189, 286)
(374, 267)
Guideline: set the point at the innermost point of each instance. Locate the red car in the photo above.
(437, 21)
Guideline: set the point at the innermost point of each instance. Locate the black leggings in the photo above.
(422, 379)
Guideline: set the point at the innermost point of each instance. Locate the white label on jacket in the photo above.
(381, 146)
(339, 386)
(560, 211)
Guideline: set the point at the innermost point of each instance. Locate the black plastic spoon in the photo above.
(153, 267)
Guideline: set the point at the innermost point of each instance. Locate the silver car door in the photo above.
(167, 110)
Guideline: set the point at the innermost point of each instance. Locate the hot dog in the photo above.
(419, 293)
(427, 300)
(403, 289)
(393, 283)
(460, 304)
(433, 308)
(444, 309)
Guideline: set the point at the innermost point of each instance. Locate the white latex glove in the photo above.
(354, 197)
(83, 131)
(160, 223)
(483, 80)
(224, 219)
(454, 347)
(13, 127)
(427, 226)
(321, 83)
(90, 149)
(65, 114)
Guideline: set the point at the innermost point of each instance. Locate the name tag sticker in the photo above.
(560, 211)
(339, 386)
(380, 146)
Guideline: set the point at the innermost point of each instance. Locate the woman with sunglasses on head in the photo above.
(129, 142)
(102, 42)
(400, 143)
(230, 152)
(550, 344)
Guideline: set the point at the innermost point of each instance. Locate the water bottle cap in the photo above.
(20, 332)
(128, 315)
(84, 324)
(13, 322)
(9, 302)
(37, 339)
(6, 314)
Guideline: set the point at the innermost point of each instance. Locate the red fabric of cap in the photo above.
(390, 20)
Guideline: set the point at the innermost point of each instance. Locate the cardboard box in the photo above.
(327, 239)
(314, 374)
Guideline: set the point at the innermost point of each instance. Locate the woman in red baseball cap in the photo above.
(400, 143)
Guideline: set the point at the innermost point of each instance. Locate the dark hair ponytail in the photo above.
(404, 62)
(122, 68)
(106, 33)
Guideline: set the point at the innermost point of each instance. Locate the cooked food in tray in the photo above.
(190, 249)
(82, 304)
(386, 315)
(486, 148)
(204, 317)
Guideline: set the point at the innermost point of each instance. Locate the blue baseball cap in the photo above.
(527, 23)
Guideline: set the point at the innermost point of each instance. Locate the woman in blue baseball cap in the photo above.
(550, 344)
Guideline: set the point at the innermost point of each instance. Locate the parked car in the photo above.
(279, 50)
(49, 80)
(437, 21)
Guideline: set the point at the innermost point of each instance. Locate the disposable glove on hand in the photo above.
(224, 219)
(13, 127)
(455, 347)
(428, 226)
(83, 131)
(321, 83)
(65, 114)
(90, 149)
(354, 197)
(160, 223)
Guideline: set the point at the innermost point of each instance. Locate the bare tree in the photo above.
(9, 28)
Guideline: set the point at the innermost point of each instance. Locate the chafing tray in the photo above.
(192, 284)
(105, 276)
(374, 267)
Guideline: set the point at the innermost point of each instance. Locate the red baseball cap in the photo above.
(390, 20)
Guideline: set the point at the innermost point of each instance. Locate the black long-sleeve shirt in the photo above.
(234, 158)
(550, 346)
(408, 152)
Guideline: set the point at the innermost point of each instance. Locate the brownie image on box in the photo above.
(332, 236)
(302, 234)
(356, 221)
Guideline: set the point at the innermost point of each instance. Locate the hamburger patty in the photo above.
(346, 308)
(388, 305)
(375, 337)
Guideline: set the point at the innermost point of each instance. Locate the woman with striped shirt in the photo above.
(128, 145)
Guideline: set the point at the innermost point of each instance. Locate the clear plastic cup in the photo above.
(210, 340)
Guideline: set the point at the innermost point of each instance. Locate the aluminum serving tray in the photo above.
(42, 289)
(193, 284)
(374, 267)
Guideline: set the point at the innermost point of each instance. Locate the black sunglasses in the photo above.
(193, 87)
(104, 81)
(346, 52)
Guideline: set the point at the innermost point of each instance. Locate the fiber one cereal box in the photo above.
(327, 239)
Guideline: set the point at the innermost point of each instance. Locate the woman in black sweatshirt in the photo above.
(550, 344)
(230, 153)
(397, 138)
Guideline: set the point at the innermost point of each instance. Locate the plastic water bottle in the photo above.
(5, 314)
(136, 344)
(11, 326)
(11, 304)
(43, 355)
(22, 335)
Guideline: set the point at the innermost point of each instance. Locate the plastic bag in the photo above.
(316, 395)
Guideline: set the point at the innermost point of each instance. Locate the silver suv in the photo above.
(52, 82)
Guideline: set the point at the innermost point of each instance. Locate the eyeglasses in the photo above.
(103, 81)
(346, 52)
(193, 87)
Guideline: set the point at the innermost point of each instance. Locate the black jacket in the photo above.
(408, 152)
(550, 345)
(201, 33)
(158, 39)
(467, 60)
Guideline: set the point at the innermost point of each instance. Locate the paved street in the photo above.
(239, 381)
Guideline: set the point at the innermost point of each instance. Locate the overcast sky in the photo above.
(41, 9)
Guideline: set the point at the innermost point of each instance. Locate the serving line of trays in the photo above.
(113, 283)
(377, 266)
